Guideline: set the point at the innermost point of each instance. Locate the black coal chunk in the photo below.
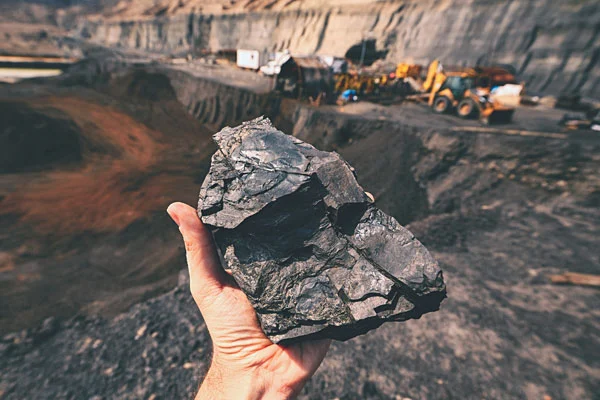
(306, 244)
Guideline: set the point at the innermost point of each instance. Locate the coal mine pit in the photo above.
(94, 272)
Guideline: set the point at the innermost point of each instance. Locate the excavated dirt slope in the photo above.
(499, 212)
(553, 45)
(83, 189)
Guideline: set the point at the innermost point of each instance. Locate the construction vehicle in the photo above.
(363, 84)
(405, 70)
(460, 91)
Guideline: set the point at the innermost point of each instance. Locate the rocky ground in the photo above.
(86, 234)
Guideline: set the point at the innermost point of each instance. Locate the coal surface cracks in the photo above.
(305, 242)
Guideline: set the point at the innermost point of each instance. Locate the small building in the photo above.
(304, 77)
(249, 59)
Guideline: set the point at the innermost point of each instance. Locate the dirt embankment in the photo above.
(215, 104)
(84, 192)
(553, 45)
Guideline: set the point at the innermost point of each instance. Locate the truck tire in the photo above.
(441, 105)
(467, 109)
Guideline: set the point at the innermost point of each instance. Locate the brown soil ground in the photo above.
(65, 221)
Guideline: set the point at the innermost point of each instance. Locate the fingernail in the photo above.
(173, 216)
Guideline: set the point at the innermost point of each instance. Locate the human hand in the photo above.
(245, 363)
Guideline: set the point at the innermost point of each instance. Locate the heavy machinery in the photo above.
(405, 70)
(378, 84)
(363, 84)
(460, 91)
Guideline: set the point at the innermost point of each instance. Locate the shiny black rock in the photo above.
(305, 242)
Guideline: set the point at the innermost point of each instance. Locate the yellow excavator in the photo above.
(406, 70)
(458, 91)
(363, 84)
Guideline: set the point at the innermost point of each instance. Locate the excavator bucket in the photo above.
(434, 69)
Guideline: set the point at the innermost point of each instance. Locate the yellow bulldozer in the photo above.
(459, 91)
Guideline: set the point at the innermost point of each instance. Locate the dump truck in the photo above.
(459, 91)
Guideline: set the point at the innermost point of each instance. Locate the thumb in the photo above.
(207, 277)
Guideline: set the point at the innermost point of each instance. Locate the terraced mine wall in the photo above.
(217, 105)
(554, 46)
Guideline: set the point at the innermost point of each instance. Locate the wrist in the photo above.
(223, 382)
